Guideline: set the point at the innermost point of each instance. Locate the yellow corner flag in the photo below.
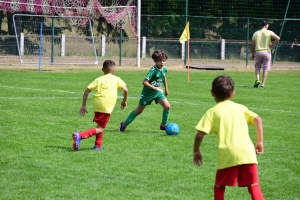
(185, 34)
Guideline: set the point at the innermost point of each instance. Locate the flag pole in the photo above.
(185, 36)
(188, 60)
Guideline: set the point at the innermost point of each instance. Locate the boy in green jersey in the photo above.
(152, 90)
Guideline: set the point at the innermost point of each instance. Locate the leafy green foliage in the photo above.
(217, 19)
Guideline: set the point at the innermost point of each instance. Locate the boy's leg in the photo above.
(144, 101)
(78, 136)
(133, 114)
(130, 118)
(219, 192)
(248, 176)
(101, 120)
(165, 117)
(225, 177)
(255, 192)
(88, 133)
(98, 142)
(166, 112)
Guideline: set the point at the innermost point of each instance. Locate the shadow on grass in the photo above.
(245, 86)
(169, 135)
(69, 149)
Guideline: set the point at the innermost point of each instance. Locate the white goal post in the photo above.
(45, 39)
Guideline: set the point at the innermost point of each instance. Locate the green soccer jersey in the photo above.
(156, 78)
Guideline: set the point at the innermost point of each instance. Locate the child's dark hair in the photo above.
(159, 55)
(109, 65)
(222, 87)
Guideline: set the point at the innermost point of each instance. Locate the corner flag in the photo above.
(185, 34)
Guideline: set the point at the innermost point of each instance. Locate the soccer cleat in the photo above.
(262, 86)
(76, 140)
(97, 149)
(256, 83)
(122, 127)
(162, 127)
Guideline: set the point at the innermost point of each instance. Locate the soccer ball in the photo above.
(172, 129)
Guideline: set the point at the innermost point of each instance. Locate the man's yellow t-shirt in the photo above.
(262, 40)
(106, 88)
(229, 120)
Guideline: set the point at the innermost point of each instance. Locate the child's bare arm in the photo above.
(259, 145)
(197, 154)
(83, 109)
(125, 94)
(166, 86)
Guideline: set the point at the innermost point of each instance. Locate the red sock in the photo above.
(219, 193)
(255, 192)
(98, 141)
(88, 133)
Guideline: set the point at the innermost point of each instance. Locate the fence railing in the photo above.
(77, 48)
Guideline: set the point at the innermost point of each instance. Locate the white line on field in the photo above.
(79, 97)
(64, 91)
(35, 98)
(35, 89)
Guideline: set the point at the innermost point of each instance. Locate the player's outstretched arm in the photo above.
(83, 109)
(125, 95)
(197, 154)
(259, 145)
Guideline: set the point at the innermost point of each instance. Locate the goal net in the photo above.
(60, 31)
(47, 39)
(116, 12)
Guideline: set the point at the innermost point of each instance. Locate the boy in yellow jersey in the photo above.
(105, 98)
(237, 160)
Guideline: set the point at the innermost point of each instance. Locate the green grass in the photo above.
(39, 111)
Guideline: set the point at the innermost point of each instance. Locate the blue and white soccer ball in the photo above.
(172, 129)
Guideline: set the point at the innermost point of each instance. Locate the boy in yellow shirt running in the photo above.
(237, 160)
(105, 98)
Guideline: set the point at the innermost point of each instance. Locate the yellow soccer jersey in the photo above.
(262, 40)
(229, 121)
(106, 88)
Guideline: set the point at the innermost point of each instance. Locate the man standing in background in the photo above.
(261, 46)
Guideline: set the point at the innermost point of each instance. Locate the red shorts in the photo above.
(245, 175)
(101, 119)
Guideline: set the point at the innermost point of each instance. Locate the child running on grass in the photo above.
(152, 90)
(237, 160)
(105, 98)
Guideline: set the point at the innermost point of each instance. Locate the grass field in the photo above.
(39, 112)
